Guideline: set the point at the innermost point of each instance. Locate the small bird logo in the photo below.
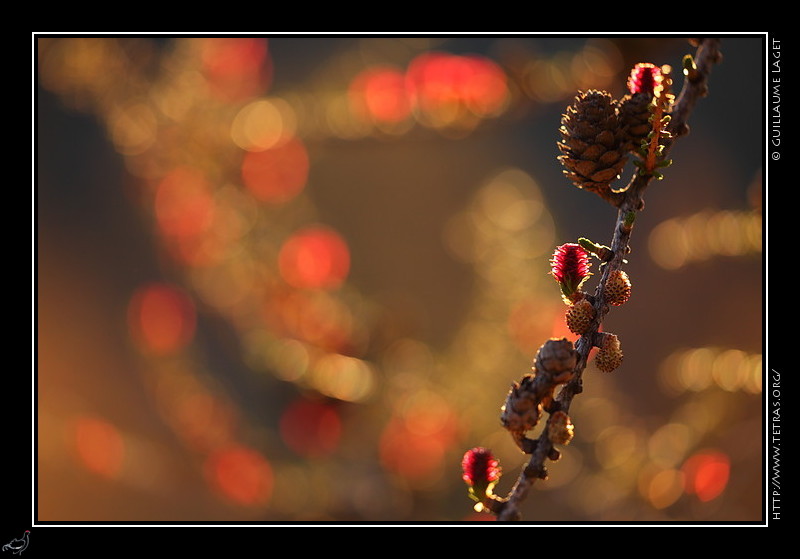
(18, 545)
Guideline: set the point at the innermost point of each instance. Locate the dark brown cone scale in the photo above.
(593, 141)
(522, 409)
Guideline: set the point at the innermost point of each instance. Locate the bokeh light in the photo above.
(379, 93)
(311, 429)
(241, 474)
(669, 444)
(412, 456)
(314, 316)
(707, 474)
(276, 175)
(99, 445)
(203, 421)
(315, 257)
(184, 205)
(161, 318)
(263, 124)
(134, 129)
(615, 445)
(665, 487)
(453, 91)
(697, 369)
(414, 443)
(679, 241)
(236, 67)
(426, 413)
(343, 377)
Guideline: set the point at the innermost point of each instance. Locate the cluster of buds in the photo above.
(553, 365)
(569, 266)
(644, 83)
(598, 132)
(652, 139)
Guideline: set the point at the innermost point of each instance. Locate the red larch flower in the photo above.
(570, 267)
(481, 468)
(645, 78)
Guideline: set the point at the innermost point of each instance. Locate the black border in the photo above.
(18, 500)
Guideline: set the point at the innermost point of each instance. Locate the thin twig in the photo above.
(694, 87)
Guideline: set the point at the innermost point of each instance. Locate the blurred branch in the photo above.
(628, 203)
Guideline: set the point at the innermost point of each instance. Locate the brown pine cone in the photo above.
(634, 116)
(593, 141)
(557, 359)
(522, 409)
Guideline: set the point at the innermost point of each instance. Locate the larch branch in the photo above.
(628, 202)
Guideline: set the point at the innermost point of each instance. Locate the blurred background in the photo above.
(293, 278)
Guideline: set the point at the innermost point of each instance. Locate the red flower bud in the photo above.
(481, 468)
(570, 267)
(645, 78)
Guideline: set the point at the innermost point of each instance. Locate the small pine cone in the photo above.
(579, 316)
(610, 355)
(634, 115)
(618, 288)
(560, 428)
(556, 358)
(592, 141)
(522, 410)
